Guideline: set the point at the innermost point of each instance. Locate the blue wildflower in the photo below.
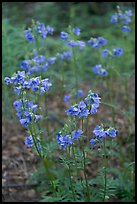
(66, 55)
(128, 13)
(83, 111)
(72, 43)
(99, 132)
(73, 110)
(76, 135)
(52, 60)
(80, 93)
(76, 30)
(29, 141)
(50, 30)
(126, 29)
(126, 20)
(114, 19)
(8, 80)
(67, 99)
(63, 140)
(29, 36)
(97, 42)
(81, 44)
(92, 142)
(64, 35)
(118, 52)
(112, 132)
(25, 64)
(105, 53)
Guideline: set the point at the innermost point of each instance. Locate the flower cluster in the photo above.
(26, 111)
(65, 55)
(97, 42)
(37, 64)
(87, 106)
(123, 17)
(100, 133)
(70, 42)
(65, 140)
(115, 52)
(38, 29)
(22, 82)
(97, 69)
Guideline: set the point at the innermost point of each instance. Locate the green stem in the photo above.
(84, 157)
(75, 72)
(105, 170)
(46, 108)
(71, 185)
(74, 156)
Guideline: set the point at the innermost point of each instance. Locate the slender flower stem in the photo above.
(46, 108)
(75, 72)
(74, 156)
(105, 170)
(84, 162)
(71, 185)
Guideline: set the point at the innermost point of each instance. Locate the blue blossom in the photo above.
(50, 30)
(72, 43)
(97, 42)
(92, 101)
(126, 29)
(46, 84)
(97, 69)
(25, 64)
(41, 28)
(66, 55)
(126, 20)
(8, 80)
(104, 72)
(17, 89)
(112, 132)
(52, 60)
(105, 53)
(17, 104)
(76, 135)
(83, 111)
(120, 15)
(63, 140)
(67, 99)
(25, 122)
(80, 93)
(128, 13)
(29, 36)
(93, 142)
(37, 117)
(81, 44)
(102, 41)
(64, 35)
(76, 30)
(94, 109)
(118, 52)
(99, 132)
(114, 19)
(29, 141)
(73, 110)
(45, 66)
(39, 59)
